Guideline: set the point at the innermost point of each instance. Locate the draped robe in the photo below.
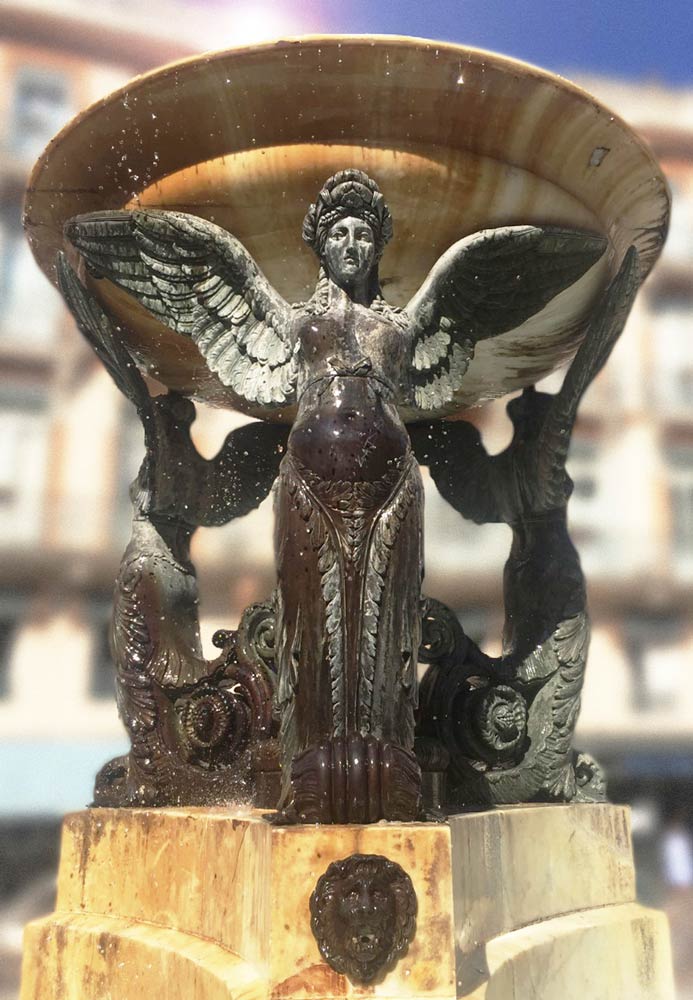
(349, 506)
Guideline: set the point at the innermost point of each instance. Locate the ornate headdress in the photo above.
(349, 192)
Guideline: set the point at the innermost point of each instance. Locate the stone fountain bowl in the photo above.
(458, 139)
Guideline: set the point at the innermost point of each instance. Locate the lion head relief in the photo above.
(363, 915)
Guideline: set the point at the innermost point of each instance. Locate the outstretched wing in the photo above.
(485, 285)
(602, 333)
(99, 331)
(201, 282)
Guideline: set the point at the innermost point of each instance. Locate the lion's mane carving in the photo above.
(363, 915)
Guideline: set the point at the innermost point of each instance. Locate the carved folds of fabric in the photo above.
(349, 570)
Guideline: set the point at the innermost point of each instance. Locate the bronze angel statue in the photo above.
(349, 495)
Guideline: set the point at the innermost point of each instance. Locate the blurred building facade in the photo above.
(70, 445)
(633, 512)
(55, 59)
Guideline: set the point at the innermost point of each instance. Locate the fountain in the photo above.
(308, 813)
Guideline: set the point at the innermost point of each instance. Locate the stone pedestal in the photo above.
(522, 903)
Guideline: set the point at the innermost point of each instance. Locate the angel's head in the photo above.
(348, 227)
(349, 251)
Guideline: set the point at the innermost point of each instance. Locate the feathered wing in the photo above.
(602, 333)
(485, 285)
(99, 331)
(201, 282)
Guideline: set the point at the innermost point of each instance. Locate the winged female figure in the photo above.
(349, 494)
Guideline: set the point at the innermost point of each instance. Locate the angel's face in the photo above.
(349, 252)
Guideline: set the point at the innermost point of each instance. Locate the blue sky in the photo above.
(634, 38)
(637, 39)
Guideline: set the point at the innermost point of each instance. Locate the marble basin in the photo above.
(458, 139)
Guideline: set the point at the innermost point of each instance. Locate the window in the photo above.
(42, 105)
(659, 668)
(12, 608)
(679, 245)
(7, 633)
(23, 454)
(680, 468)
(582, 507)
(29, 305)
(673, 344)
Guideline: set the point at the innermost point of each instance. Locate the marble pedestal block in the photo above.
(521, 903)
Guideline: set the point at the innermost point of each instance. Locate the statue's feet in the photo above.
(355, 779)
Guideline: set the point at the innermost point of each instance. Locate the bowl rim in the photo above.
(633, 204)
(82, 119)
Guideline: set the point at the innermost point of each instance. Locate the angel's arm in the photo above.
(102, 335)
(483, 286)
(201, 282)
(533, 477)
(537, 487)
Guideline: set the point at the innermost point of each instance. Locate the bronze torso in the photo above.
(350, 338)
(347, 426)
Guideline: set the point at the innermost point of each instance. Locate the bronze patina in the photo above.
(346, 618)
(363, 916)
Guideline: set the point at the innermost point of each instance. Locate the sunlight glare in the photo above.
(247, 24)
